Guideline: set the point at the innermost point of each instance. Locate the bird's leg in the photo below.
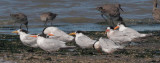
(45, 24)
(27, 27)
(20, 26)
(111, 22)
(103, 17)
(51, 23)
(99, 51)
(26, 24)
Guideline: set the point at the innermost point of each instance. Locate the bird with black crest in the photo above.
(26, 39)
(56, 33)
(50, 45)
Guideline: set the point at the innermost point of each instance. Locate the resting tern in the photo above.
(58, 34)
(50, 45)
(26, 39)
(117, 36)
(129, 31)
(107, 45)
(82, 40)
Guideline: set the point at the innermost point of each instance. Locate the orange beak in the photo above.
(33, 36)
(72, 33)
(116, 27)
(50, 34)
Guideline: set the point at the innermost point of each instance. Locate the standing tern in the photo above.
(26, 39)
(82, 40)
(50, 45)
(58, 34)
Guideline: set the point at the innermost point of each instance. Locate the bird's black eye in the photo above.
(25, 31)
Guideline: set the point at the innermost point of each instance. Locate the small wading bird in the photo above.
(155, 11)
(111, 11)
(47, 16)
(50, 45)
(20, 18)
(26, 39)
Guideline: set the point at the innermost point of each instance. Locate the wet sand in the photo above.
(142, 50)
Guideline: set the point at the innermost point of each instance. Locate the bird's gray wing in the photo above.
(85, 41)
(30, 39)
(108, 44)
(54, 43)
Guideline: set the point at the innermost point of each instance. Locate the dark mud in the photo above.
(144, 50)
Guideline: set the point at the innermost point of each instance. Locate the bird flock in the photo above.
(52, 39)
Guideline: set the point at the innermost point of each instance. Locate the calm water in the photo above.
(72, 14)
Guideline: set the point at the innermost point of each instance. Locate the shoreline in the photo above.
(142, 50)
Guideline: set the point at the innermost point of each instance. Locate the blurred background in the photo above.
(75, 14)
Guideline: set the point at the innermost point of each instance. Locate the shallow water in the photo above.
(72, 14)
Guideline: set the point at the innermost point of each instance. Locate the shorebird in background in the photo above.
(20, 18)
(47, 16)
(155, 11)
(111, 11)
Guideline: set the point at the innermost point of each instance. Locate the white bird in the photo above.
(26, 39)
(117, 36)
(50, 45)
(107, 45)
(58, 34)
(82, 40)
(129, 31)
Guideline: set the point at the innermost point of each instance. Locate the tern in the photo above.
(82, 40)
(58, 34)
(117, 36)
(50, 45)
(129, 31)
(26, 39)
(107, 45)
